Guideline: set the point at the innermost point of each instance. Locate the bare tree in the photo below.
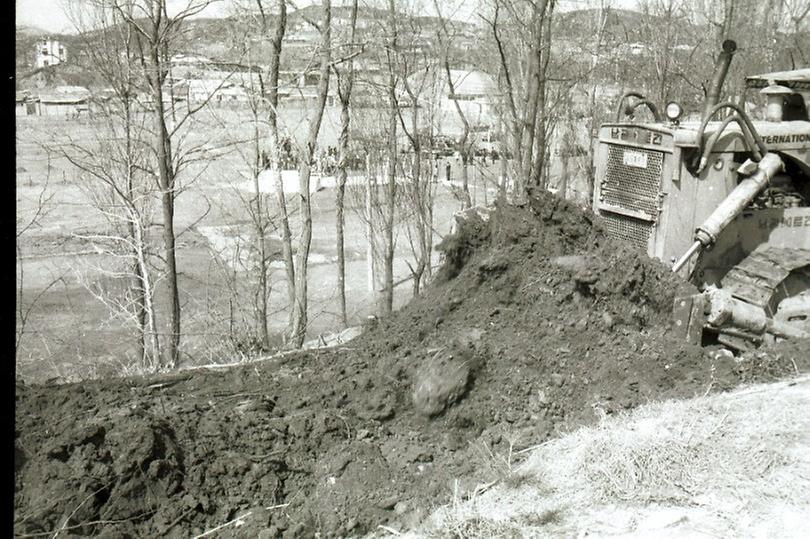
(116, 169)
(273, 139)
(521, 31)
(306, 154)
(661, 23)
(420, 82)
(154, 32)
(345, 83)
(263, 98)
(385, 302)
(757, 26)
(151, 35)
(534, 136)
(463, 144)
(796, 18)
(398, 191)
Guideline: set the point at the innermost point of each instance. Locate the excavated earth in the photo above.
(536, 324)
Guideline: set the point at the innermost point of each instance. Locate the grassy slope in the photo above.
(733, 464)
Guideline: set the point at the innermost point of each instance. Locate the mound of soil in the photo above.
(536, 324)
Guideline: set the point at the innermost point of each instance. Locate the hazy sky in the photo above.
(50, 14)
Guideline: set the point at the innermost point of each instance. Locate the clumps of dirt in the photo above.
(356, 478)
(119, 467)
(774, 362)
(536, 324)
(470, 234)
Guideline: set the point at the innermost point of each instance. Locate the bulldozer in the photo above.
(724, 199)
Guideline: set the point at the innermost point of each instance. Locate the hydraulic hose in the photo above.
(746, 137)
(642, 101)
(621, 102)
(746, 121)
(650, 105)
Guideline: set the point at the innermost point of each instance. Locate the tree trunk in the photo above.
(466, 200)
(462, 146)
(133, 223)
(299, 326)
(566, 150)
(260, 224)
(420, 193)
(344, 92)
(428, 245)
(299, 319)
(370, 201)
(536, 76)
(386, 303)
(275, 162)
(166, 184)
(284, 225)
(140, 309)
(151, 337)
(167, 203)
(343, 148)
(503, 148)
(537, 175)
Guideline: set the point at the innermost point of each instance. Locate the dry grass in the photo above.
(736, 464)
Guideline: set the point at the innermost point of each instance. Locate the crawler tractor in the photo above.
(725, 200)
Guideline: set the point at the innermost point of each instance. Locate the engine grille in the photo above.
(632, 187)
(634, 231)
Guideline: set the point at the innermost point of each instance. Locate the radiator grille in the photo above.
(632, 187)
(634, 231)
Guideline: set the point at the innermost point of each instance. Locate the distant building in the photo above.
(215, 92)
(301, 88)
(20, 108)
(50, 52)
(189, 59)
(475, 92)
(636, 49)
(173, 92)
(77, 90)
(69, 105)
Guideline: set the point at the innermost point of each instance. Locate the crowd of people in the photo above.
(325, 160)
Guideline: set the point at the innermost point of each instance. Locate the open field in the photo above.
(69, 333)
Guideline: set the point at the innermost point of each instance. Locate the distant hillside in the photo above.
(217, 38)
(23, 29)
(621, 25)
(223, 39)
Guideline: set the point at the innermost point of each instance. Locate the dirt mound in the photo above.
(536, 324)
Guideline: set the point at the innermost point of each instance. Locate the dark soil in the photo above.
(544, 323)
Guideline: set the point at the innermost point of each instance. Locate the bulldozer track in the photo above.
(757, 277)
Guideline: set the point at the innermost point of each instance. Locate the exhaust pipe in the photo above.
(720, 72)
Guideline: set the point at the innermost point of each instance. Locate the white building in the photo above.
(475, 92)
(50, 53)
(216, 91)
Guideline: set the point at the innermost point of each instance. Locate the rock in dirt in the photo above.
(441, 381)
